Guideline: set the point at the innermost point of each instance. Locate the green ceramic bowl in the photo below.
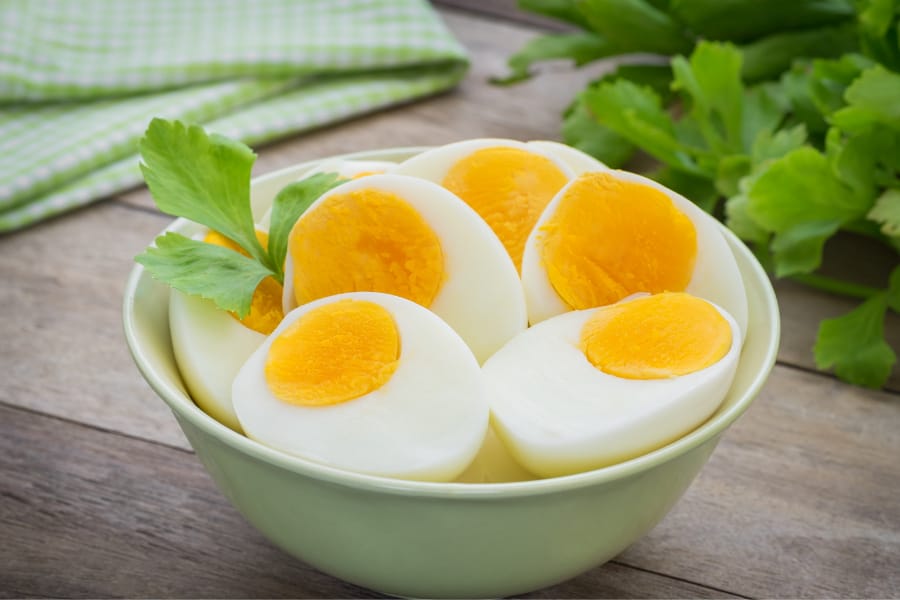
(439, 540)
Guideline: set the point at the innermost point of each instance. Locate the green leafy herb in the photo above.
(291, 202)
(206, 179)
(206, 270)
(792, 118)
(854, 343)
(581, 48)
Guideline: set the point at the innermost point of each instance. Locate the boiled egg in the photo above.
(607, 235)
(591, 388)
(345, 169)
(412, 238)
(508, 183)
(367, 382)
(578, 161)
(211, 344)
(494, 464)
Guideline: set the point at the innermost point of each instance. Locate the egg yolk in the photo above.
(265, 308)
(609, 239)
(509, 188)
(333, 353)
(365, 241)
(656, 337)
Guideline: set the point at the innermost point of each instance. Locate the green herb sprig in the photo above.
(206, 178)
(780, 118)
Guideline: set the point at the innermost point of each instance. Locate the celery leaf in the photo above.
(579, 47)
(201, 177)
(886, 212)
(854, 344)
(291, 202)
(220, 274)
(801, 199)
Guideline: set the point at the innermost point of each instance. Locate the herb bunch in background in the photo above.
(781, 117)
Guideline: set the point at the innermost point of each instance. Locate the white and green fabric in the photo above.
(81, 79)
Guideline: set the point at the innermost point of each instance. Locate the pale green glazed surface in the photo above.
(442, 540)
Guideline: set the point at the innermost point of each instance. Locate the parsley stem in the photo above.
(836, 286)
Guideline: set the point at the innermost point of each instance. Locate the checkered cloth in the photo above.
(81, 79)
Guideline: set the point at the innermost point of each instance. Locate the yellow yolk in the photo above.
(334, 353)
(265, 309)
(509, 188)
(610, 238)
(365, 241)
(656, 337)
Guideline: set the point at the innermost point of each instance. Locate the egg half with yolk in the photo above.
(345, 169)
(367, 382)
(591, 388)
(578, 161)
(211, 344)
(607, 235)
(411, 238)
(508, 183)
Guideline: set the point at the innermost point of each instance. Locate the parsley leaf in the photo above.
(636, 113)
(220, 274)
(886, 211)
(871, 99)
(854, 343)
(580, 47)
(711, 79)
(636, 26)
(801, 200)
(291, 202)
(204, 178)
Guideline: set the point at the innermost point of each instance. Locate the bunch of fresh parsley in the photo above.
(783, 120)
(206, 178)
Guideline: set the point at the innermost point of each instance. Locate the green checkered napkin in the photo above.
(81, 79)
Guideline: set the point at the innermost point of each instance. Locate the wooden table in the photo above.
(100, 494)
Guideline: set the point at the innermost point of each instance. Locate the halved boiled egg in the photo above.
(607, 235)
(591, 388)
(366, 382)
(211, 344)
(508, 183)
(577, 160)
(345, 169)
(412, 238)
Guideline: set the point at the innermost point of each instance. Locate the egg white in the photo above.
(558, 414)
(715, 277)
(435, 163)
(580, 162)
(481, 296)
(210, 347)
(347, 169)
(426, 422)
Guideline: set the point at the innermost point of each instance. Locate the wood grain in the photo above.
(63, 350)
(799, 499)
(89, 514)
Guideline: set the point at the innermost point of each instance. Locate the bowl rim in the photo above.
(185, 408)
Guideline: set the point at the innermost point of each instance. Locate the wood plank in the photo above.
(63, 349)
(89, 514)
(799, 500)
